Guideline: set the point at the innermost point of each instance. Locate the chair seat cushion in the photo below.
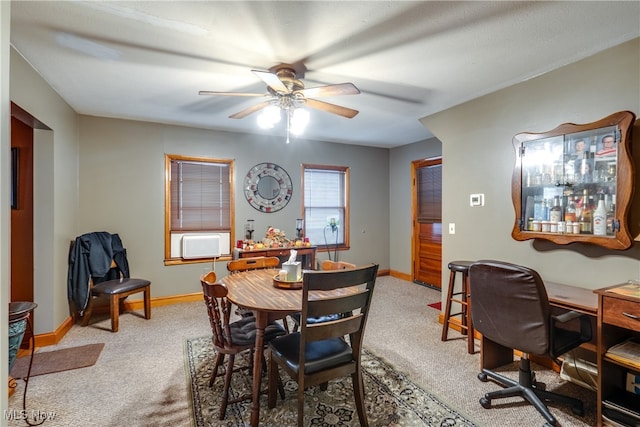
(319, 319)
(111, 287)
(319, 355)
(243, 331)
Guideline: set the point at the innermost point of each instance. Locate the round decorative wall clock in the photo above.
(267, 187)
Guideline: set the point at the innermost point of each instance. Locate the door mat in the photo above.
(436, 305)
(48, 362)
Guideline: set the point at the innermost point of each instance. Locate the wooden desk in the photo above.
(572, 298)
(306, 254)
(254, 290)
(493, 355)
(618, 320)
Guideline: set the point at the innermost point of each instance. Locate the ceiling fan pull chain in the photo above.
(288, 124)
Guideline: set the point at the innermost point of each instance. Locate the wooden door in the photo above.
(21, 213)
(427, 221)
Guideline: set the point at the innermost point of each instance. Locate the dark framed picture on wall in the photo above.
(14, 178)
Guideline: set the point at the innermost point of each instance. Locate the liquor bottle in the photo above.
(537, 208)
(585, 168)
(585, 216)
(570, 211)
(611, 216)
(555, 213)
(600, 218)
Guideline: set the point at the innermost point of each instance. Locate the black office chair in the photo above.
(510, 307)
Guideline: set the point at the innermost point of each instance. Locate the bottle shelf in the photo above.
(575, 166)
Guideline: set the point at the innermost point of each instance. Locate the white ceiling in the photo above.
(148, 60)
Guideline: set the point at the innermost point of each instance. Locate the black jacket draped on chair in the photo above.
(91, 256)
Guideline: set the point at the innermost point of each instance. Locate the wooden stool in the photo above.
(466, 327)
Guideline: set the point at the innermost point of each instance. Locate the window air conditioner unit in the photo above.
(200, 246)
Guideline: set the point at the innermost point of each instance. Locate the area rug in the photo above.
(47, 362)
(391, 399)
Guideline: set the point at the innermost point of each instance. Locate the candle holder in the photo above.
(249, 229)
(299, 227)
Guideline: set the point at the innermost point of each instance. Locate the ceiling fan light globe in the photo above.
(269, 117)
(263, 123)
(299, 121)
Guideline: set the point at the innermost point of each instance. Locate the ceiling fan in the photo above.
(286, 90)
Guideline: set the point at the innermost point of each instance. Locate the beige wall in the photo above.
(479, 158)
(55, 190)
(122, 190)
(400, 199)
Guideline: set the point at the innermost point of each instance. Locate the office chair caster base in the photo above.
(539, 386)
(483, 377)
(486, 403)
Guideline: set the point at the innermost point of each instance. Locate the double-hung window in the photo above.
(199, 205)
(326, 205)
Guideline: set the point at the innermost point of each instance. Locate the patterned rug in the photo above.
(391, 399)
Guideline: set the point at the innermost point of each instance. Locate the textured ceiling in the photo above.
(148, 60)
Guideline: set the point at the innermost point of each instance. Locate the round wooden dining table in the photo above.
(254, 290)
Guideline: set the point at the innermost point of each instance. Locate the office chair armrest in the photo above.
(585, 323)
(565, 317)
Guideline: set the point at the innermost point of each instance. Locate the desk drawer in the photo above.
(619, 312)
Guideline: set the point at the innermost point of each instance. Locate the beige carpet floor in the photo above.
(140, 380)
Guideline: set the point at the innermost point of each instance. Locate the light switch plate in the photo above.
(476, 200)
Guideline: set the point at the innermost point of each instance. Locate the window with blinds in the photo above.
(430, 194)
(199, 198)
(326, 205)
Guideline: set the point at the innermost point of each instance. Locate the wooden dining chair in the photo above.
(113, 283)
(318, 353)
(254, 263)
(231, 338)
(336, 265)
(326, 265)
(116, 291)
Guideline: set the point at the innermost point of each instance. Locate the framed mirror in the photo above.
(267, 187)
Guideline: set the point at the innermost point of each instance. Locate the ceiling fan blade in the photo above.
(330, 90)
(209, 92)
(332, 108)
(244, 113)
(272, 81)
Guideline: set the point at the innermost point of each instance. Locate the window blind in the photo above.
(200, 196)
(324, 198)
(430, 194)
